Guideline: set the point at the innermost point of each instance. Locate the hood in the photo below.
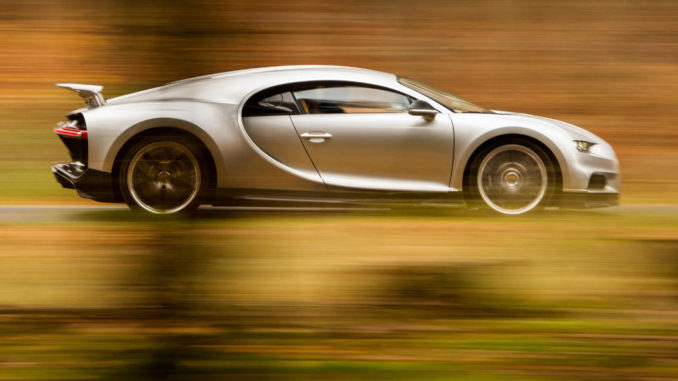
(577, 133)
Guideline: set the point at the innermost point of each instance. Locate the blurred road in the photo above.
(102, 293)
(72, 212)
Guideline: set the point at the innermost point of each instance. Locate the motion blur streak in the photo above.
(608, 66)
(273, 295)
(428, 294)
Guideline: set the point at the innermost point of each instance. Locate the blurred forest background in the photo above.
(425, 294)
(609, 66)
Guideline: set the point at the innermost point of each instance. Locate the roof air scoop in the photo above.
(90, 93)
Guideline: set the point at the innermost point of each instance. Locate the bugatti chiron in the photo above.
(324, 134)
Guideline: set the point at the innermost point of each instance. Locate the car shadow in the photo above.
(226, 213)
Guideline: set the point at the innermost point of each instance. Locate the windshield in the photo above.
(444, 98)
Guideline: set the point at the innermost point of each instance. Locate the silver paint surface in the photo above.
(389, 151)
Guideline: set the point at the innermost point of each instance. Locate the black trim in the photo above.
(89, 183)
(260, 105)
(98, 186)
(77, 147)
(338, 196)
(598, 181)
(331, 107)
(306, 85)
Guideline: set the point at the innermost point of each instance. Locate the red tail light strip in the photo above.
(71, 132)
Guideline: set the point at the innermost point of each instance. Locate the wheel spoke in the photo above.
(512, 179)
(184, 188)
(163, 177)
(185, 181)
(145, 168)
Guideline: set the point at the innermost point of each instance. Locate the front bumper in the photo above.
(89, 183)
(593, 179)
(596, 171)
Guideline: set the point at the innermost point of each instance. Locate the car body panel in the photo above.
(473, 130)
(381, 151)
(389, 153)
(234, 87)
(276, 136)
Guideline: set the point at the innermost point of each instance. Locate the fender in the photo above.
(464, 149)
(180, 124)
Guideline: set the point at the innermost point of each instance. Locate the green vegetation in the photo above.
(413, 295)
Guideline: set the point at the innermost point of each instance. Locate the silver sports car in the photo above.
(324, 134)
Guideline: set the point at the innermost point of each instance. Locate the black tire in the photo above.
(513, 176)
(164, 174)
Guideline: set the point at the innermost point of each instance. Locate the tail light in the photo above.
(73, 133)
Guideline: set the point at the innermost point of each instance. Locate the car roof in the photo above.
(232, 86)
(272, 69)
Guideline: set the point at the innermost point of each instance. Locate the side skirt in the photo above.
(256, 197)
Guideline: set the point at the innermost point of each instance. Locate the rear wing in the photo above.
(90, 93)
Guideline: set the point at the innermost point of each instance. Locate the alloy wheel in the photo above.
(163, 177)
(512, 179)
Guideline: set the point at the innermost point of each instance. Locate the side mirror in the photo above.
(421, 108)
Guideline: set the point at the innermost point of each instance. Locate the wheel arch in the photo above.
(553, 157)
(165, 127)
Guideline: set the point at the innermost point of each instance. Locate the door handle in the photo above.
(312, 135)
(316, 137)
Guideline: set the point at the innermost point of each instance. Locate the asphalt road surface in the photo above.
(9, 213)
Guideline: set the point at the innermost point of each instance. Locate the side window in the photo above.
(351, 99)
(270, 104)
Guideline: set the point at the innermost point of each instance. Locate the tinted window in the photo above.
(446, 99)
(351, 99)
(271, 104)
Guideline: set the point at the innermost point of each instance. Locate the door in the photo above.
(363, 137)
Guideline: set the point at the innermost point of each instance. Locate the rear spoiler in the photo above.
(90, 93)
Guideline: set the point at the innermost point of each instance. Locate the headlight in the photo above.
(583, 145)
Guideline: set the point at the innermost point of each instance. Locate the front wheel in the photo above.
(163, 175)
(512, 178)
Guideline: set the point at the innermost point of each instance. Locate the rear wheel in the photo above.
(163, 175)
(513, 177)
